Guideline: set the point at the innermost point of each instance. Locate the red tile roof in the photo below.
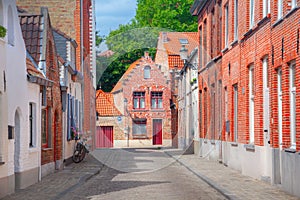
(105, 105)
(30, 25)
(172, 46)
(32, 70)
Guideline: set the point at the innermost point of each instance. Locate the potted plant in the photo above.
(2, 32)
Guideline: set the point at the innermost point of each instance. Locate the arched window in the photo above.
(10, 26)
(147, 72)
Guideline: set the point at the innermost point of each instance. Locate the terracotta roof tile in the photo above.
(30, 25)
(173, 44)
(105, 104)
(175, 61)
(32, 70)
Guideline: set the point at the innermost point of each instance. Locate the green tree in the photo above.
(130, 41)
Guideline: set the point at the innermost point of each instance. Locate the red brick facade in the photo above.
(133, 81)
(223, 66)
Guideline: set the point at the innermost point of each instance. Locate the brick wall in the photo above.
(157, 83)
(264, 40)
(54, 102)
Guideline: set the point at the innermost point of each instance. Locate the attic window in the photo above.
(183, 41)
(147, 72)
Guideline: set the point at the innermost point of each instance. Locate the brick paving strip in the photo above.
(230, 183)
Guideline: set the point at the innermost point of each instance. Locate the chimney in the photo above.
(146, 55)
(164, 37)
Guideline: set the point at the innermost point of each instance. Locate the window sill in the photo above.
(248, 32)
(225, 50)
(213, 142)
(250, 147)
(46, 149)
(290, 150)
(33, 149)
(157, 110)
(277, 22)
(234, 144)
(263, 20)
(234, 43)
(291, 12)
(140, 137)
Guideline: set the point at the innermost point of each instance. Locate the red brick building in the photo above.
(248, 58)
(143, 94)
(168, 58)
(75, 19)
(42, 49)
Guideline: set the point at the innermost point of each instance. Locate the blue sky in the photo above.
(111, 13)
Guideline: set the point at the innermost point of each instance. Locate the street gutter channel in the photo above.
(210, 182)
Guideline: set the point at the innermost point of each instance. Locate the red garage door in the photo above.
(105, 135)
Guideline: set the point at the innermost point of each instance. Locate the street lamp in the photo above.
(184, 56)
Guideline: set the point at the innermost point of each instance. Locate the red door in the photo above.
(105, 137)
(157, 132)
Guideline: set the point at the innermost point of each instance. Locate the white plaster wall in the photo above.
(3, 113)
(140, 143)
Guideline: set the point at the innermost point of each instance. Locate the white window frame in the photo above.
(279, 96)
(251, 105)
(294, 4)
(251, 13)
(235, 120)
(292, 91)
(226, 39)
(236, 18)
(266, 7)
(279, 9)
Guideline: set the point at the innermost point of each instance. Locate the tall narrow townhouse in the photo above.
(168, 58)
(76, 19)
(71, 82)
(210, 80)
(40, 44)
(284, 65)
(20, 101)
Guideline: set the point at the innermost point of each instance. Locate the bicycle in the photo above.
(80, 151)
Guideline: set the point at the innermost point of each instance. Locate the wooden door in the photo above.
(157, 132)
(105, 137)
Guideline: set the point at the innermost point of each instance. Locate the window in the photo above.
(236, 18)
(139, 100)
(32, 125)
(200, 46)
(251, 104)
(139, 127)
(266, 7)
(205, 112)
(251, 14)
(205, 42)
(212, 35)
(292, 105)
(235, 112)
(156, 100)
(200, 112)
(279, 96)
(279, 9)
(294, 4)
(219, 37)
(44, 128)
(147, 72)
(226, 25)
(10, 27)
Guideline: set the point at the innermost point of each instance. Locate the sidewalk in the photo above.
(62, 182)
(231, 183)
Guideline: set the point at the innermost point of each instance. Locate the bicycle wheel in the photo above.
(76, 157)
(82, 154)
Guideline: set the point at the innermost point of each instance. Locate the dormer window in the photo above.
(147, 70)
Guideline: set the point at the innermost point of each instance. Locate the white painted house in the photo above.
(20, 102)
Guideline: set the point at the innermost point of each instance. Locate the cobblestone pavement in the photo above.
(230, 182)
(148, 174)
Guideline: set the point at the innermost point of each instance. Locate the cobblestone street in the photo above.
(147, 174)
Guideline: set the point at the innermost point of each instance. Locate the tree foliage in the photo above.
(130, 41)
